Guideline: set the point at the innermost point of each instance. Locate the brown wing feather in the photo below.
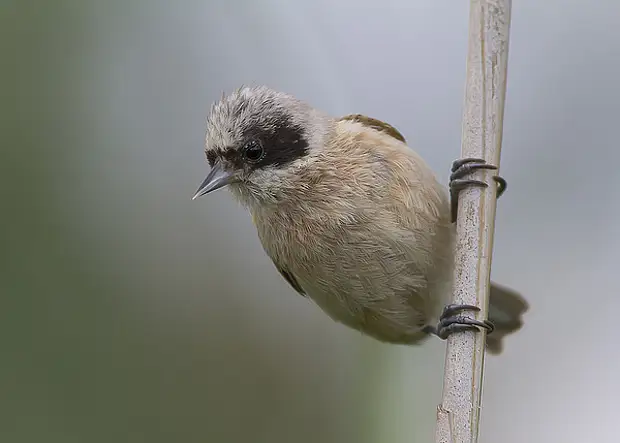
(291, 279)
(377, 125)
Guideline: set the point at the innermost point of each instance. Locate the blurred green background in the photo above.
(130, 313)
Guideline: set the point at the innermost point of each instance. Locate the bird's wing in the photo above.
(375, 124)
(290, 278)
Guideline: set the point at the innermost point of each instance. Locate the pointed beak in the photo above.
(218, 178)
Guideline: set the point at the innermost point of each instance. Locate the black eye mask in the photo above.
(282, 140)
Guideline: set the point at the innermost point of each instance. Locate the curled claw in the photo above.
(501, 185)
(451, 322)
(462, 167)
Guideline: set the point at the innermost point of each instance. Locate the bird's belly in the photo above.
(387, 284)
(382, 313)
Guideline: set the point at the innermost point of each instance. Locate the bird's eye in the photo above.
(253, 151)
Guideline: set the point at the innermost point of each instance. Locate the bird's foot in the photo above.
(462, 167)
(451, 322)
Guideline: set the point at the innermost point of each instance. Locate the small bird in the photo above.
(351, 217)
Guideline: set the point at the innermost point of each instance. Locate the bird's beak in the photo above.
(218, 178)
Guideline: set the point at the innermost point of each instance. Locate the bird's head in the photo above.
(257, 140)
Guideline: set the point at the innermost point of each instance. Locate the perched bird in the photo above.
(350, 215)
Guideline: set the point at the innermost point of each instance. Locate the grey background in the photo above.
(130, 313)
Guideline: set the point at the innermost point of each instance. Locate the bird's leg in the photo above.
(462, 167)
(450, 322)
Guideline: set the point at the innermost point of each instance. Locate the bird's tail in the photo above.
(505, 310)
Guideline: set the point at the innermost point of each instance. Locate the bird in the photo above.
(351, 216)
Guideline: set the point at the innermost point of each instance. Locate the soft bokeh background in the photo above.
(130, 313)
